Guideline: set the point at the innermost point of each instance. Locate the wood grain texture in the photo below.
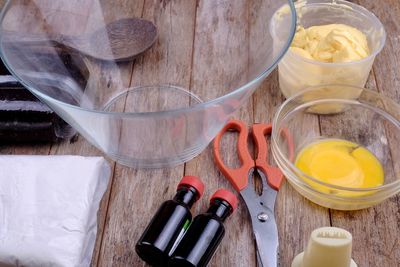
(134, 195)
(376, 241)
(220, 61)
(296, 216)
(67, 17)
(237, 247)
(220, 24)
(109, 76)
(137, 194)
(371, 228)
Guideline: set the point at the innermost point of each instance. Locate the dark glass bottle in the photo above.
(169, 223)
(205, 233)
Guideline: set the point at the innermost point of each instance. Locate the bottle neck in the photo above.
(186, 195)
(220, 209)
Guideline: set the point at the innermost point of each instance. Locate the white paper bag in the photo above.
(48, 209)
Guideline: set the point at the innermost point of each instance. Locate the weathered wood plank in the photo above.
(371, 227)
(67, 17)
(237, 247)
(387, 64)
(223, 22)
(375, 241)
(24, 149)
(108, 76)
(221, 48)
(293, 212)
(382, 221)
(136, 194)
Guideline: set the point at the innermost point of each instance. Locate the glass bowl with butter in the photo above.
(336, 42)
(348, 160)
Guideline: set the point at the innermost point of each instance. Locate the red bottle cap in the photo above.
(226, 195)
(194, 182)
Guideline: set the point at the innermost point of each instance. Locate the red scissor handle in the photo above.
(273, 174)
(237, 177)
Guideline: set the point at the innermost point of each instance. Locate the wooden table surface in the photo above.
(134, 195)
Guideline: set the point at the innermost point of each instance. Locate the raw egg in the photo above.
(340, 163)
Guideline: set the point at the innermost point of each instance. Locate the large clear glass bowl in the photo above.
(164, 106)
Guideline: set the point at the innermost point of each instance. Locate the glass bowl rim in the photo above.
(292, 169)
(199, 106)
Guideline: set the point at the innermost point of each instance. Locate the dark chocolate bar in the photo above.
(23, 118)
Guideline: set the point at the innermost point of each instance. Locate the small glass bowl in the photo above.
(362, 116)
(297, 72)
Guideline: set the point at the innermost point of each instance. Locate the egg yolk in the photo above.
(341, 163)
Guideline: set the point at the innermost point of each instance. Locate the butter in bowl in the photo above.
(336, 42)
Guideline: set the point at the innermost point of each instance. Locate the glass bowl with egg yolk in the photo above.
(346, 160)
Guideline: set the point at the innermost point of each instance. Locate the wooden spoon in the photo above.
(120, 40)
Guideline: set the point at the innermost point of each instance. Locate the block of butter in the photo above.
(48, 209)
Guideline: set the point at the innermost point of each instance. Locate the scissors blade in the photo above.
(259, 262)
(266, 236)
(265, 230)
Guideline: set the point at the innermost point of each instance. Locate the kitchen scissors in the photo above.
(261, 207)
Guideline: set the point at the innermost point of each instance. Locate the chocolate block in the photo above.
(23, 118)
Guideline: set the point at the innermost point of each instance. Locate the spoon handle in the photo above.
(8, 37)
